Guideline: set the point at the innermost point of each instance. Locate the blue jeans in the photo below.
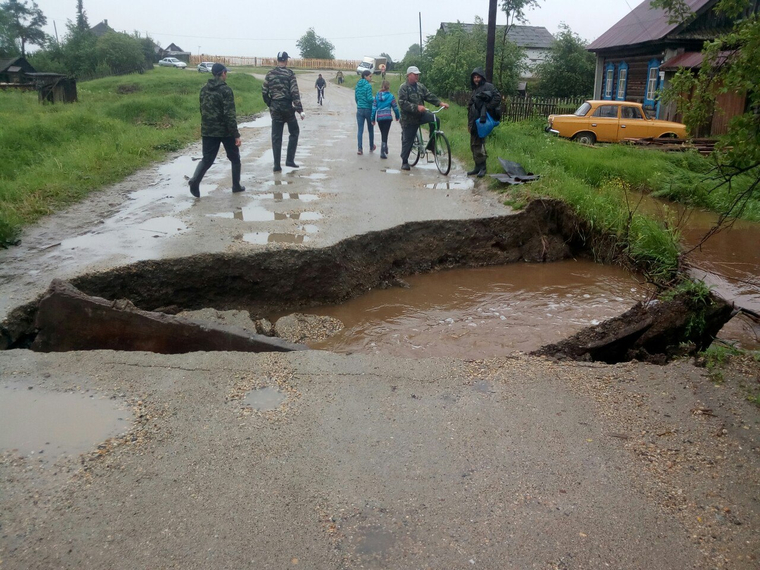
(363, 115)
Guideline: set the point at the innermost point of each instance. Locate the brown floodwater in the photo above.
(45, 424)
(728, 262)
(483, 312)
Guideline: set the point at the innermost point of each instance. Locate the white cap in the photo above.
(412, 69)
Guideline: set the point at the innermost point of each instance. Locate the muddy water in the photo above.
(484, 312)
(44, 425)
(728, 262)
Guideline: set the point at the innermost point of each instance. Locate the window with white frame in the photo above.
(621, 84)
(652, 83)
(610, 75)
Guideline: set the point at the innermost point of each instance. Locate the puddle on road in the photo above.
(264, 399)
(482, 312)
(280, 196)
(458, 185)
(263, 238)
(260, 214)
(262, 121)
(45, 425)
(276, 183)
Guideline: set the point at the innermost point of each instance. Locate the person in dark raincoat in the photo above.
(484, 99)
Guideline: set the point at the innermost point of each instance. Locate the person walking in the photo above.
(218, 127)
(384, 106)
(280, 93)
(320, 85)
(485, 98)
(363, 96)
(339, 77)
(411, 100)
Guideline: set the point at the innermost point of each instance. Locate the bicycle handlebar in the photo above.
(438, 111)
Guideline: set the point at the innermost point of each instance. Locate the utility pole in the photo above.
(420, 33)
(491, 39)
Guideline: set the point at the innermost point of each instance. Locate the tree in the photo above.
(411, 57)
(515, 11)
(315, 47)
(120, 52)
(731, 63)
(82, 23)
(569, 69)
(25, 23)
(7, 39)
(449, 58)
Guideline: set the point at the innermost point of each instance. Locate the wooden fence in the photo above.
(232, 61)
(523, 108)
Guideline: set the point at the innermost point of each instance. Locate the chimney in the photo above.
(105, 22)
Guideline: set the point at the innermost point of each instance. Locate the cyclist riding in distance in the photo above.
(320, 86)
(411, 100)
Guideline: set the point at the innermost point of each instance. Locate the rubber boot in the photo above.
(383, 150)
(236, 187)
(482, 171)
(277, 152)
(291, 156)
(475, 170)
(195, 181)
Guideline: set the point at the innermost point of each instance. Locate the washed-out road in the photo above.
(364, 461)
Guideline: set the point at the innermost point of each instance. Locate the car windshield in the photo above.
(582, 110)
(363, 64)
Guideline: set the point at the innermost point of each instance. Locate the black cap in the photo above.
(283, 56)
(218, 69)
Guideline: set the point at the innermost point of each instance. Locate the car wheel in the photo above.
(668, 136)
(585, 138)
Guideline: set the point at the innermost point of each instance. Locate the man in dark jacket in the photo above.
(218, 127)
(411, 100)
(280, 92)
(484, 99)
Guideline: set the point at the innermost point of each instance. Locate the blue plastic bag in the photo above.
(484, 129)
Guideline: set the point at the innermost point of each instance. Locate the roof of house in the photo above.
(643, 24)
(523, 36)
(101, 28)
(19, 63)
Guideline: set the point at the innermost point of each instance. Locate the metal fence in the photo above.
(524, 108)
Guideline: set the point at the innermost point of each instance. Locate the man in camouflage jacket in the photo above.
(411, 100)
(280, 92)
(218, 127)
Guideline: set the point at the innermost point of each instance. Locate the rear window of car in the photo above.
(606, 111)
(582, 110)
(630, 113)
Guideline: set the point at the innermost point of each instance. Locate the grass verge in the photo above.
(54, 155)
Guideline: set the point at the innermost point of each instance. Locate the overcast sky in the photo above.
(257, 28)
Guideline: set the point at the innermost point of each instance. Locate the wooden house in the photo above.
(637, 57)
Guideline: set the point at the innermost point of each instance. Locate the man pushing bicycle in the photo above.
(411, 100)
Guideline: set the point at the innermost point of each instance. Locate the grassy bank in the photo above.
(595, 182)
(53, 155)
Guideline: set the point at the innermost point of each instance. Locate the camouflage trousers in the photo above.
(279, 120)
(478, 147)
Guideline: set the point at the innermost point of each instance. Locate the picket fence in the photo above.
(523, 108)
(231, 61)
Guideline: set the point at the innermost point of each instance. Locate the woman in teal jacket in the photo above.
(384, 106)
(364, 99)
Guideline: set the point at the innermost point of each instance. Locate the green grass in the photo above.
(54, 155)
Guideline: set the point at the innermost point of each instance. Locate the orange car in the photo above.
(611, 121)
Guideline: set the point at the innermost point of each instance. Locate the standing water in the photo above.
(483, 312)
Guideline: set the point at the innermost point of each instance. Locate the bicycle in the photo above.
(320, 94)
(441, 148)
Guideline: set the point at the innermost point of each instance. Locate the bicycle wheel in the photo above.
(417, 149)
(442, 153)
